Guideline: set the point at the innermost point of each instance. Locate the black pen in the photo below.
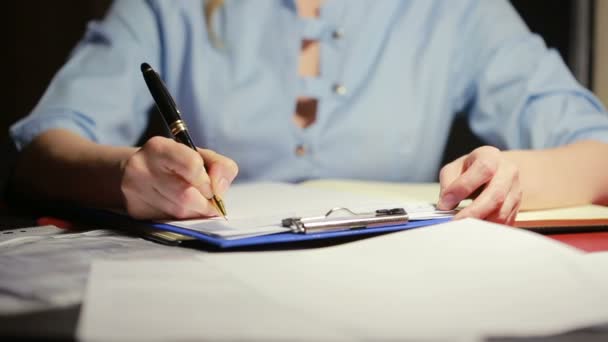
(173, 119)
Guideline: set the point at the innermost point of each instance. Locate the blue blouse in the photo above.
(393, 73)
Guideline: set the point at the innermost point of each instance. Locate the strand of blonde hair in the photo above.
(210, 7)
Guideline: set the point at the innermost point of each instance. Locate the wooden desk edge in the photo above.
(565, 225)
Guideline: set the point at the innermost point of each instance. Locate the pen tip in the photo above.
(145, 67)
(219, 205)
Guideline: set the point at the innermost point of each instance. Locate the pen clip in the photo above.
(327, 222)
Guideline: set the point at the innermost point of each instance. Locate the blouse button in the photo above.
(340, 89)
(300, 150)
(338, 33)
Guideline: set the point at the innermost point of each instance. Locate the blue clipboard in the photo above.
(290, 237)
(152, 229)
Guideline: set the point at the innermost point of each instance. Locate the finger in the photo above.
(173, 209)
(197, 206)
(180, 200)
(510, 220)
(172, 157)
(491, 198)
(513, 217)
(182, 194)
(221, 169)
(138, 208)
(142, 201)
(449, 173)
(478, 174)
(506, 213)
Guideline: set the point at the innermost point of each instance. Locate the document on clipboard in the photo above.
(258, 209)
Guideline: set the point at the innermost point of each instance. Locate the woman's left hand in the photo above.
(490, 178)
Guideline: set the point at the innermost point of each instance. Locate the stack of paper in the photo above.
(462, 280)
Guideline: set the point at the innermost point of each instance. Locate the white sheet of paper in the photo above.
(179, 302)
(258, 208)
(457, 281)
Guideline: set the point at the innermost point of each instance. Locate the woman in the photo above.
(292, 90)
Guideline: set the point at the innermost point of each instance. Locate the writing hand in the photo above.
(485, 171)
(166, 179)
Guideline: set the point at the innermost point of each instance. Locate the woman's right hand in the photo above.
(166, 179)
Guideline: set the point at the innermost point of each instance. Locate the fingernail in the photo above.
(447, 202)
(221, 186)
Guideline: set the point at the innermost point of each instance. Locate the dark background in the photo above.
(40, 35)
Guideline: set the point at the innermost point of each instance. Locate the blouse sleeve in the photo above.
(517, 92)
(99, 93)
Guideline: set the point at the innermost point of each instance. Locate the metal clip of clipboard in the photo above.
(327, 223)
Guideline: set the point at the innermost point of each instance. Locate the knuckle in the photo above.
(486, 168)
(487, 149)
(182, 197)
(155, 145)
(179, 212)
(493, 149)
(134, 166)
(499, 196)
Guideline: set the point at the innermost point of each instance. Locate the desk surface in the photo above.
(60, 323)
(588, 242)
